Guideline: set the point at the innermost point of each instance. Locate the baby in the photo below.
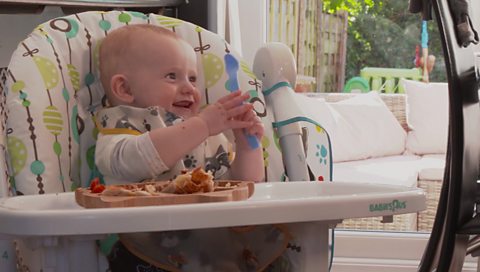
(154, 129)
(148, 72)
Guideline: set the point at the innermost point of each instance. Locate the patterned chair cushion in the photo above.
(52, 92)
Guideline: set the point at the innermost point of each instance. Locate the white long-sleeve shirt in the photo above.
(125, 153)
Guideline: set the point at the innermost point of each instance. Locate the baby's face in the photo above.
(166, 76)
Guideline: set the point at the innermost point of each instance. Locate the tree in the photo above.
(385, 34)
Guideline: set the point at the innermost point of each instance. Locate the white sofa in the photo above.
(395, 139)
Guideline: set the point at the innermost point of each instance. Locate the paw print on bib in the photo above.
(104, 120)
(190, 161)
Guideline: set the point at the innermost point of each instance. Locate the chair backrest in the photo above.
(386, 80)
(52, 90)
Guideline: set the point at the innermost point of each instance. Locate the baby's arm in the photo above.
(127, 158)
(172, 143)
(132, 158)
(248, 163)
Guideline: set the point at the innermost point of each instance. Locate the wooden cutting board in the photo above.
(238, 190)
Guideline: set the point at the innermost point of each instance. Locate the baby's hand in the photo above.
(256, 128)
(225, 113)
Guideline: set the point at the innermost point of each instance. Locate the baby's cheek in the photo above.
(196, 105)
(196, 108)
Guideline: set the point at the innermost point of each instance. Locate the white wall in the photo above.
(253, 25)
(252, 17)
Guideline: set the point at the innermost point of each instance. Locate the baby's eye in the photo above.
(171, 76)
(192, 79)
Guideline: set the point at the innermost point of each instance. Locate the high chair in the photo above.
(50, 94)
(52, 90)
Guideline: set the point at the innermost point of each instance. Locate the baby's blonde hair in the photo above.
(117, 52)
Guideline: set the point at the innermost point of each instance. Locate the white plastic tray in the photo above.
(278, 202)
(55, 227)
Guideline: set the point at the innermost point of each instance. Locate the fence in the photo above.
(317, 40)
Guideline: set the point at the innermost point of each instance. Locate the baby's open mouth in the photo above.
(183, 104)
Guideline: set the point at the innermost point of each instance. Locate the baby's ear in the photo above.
(121, 89)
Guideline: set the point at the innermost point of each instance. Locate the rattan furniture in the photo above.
(422, 221)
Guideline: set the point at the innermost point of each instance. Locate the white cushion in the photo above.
(360, 127)
(427, 116)
(431, 167)
(392, 170)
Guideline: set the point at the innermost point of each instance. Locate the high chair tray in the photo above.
(223, 191)
(275, 202)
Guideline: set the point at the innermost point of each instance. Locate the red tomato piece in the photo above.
(94, 183)
(98, 189)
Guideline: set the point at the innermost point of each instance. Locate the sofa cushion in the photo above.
(360, 127)
(431, 167)
(427, 117)
(392, 170)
